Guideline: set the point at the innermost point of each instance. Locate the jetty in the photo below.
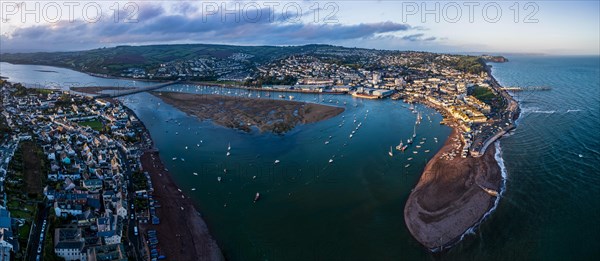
(526, 89)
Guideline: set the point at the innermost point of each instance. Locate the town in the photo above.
(83, 194)
(72, 179)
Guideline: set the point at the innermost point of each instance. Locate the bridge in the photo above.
(525, 89)
(138, 90)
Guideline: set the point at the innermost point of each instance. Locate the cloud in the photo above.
(417, 37)
(158, 25)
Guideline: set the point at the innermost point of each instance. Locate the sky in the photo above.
(539, 27)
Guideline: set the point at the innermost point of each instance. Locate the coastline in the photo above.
(183, 233)
(453, 197)
(448, 200)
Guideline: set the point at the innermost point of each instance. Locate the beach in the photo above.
(449, 198)
(277, 116)
(182, 232)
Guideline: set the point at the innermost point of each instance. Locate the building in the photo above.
(8, 242)
(114, 252)
(69, 244)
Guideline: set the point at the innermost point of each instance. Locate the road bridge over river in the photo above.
(137, 90)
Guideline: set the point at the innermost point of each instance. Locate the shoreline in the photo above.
(453, 197)
(181, 221)
(448, 201)
(182, 232)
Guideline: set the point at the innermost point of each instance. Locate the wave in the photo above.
(504, 174)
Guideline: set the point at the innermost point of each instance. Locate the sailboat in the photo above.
(276, 161)
(256, 197)
(415, 131)
(229, 146)
(390, 152)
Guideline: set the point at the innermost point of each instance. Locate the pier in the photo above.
(526, 89)
(138, 90)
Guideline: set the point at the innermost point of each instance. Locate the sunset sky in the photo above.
(549, 27)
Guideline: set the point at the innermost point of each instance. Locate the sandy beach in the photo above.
(448, 199)
(182, 232)
(277, 116)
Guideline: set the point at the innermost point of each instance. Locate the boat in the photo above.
(291, 97)
(491, 192)
(326, 142)
(399, 146)
(276, 161)
(409, 141)
(409, 159)
(415, 152)
(195, 174)
(407, 165)
(174, 158)
(418, 146)
(186, 147)
(219, 179)
(390, 152)
(228, 153)
(193, 189)
(182, 159)
(415, 131)
(256, 197)
(350, 136)
(435, 139)
(426, 150)
(229, 146)
(281, 96)
(330, 160)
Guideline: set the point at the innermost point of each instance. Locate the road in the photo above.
(35, 239)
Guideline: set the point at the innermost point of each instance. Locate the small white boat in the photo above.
(228, 153)
(276, 161)
(195, 174)
(351, 136)
(409, 159)
(426, 151)
(198, 145)
(174, 158)
(182, 159)
(179, 190)
(193, 189)
(415, 152)
(219, 179)
(176, 133)
(330, 160)
(256, 197)
(186, 147)
(224, 170)
(407, 165)
(229, 146)
(390, 152)
(326, 142)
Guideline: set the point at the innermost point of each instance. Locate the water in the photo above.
(552, 203)
(353, 209)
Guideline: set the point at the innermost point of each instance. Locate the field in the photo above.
(95, 124)
(484, 94)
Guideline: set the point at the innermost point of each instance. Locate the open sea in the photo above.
(352, 208)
